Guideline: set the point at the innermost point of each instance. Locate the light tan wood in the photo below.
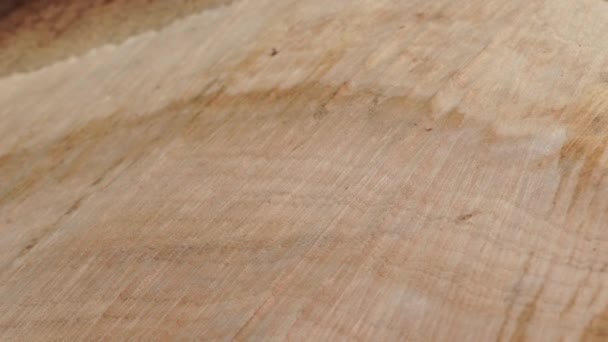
(305, 170)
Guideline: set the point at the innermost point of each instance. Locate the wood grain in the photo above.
(304, 170)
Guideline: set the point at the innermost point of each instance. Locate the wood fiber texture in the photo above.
(304, 170)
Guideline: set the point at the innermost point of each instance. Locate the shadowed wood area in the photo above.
(34, 33)
(304, 170)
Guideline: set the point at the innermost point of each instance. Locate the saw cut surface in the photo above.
(304, 170)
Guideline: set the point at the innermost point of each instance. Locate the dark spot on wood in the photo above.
(74, 207)
(98, 180)
(430, 16)
(274, 52)
(465, 217)
(428, 129)
(30, 245)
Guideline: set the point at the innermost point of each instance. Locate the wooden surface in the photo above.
(304, 170)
